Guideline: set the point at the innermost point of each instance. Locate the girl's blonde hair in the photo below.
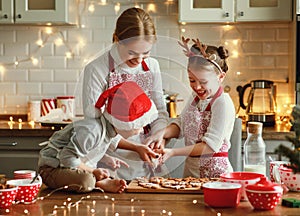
(199, 62)
(134, 23)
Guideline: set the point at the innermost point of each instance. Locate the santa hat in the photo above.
(127, 106)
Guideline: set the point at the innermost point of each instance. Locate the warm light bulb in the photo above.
(235, 42)
(234, 54)
(183, 30)
(91, 8)
(69, 55)
(103, 2)
(34, 61)
(59, 42)
(227, 27)
(2, 69)
(16, 63)
(151, 8)
(40, 43)
(238, 73)
(48, 31)
(117, 8)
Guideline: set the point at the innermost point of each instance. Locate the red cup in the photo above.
(47, 105)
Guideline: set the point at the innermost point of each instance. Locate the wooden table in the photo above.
(135, 204)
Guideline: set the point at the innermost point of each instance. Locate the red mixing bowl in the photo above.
(221, 194)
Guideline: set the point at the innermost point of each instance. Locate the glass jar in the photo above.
(255, 149)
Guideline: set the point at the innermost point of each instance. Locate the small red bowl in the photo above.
(27, 191)
(243, 178)
(7, 196)
(221, 194)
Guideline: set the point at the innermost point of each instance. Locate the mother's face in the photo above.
(133, 52)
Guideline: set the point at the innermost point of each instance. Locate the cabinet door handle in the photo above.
(19, 16)
(226, 14)
(9, 144)
(5, 16)
(242, 13)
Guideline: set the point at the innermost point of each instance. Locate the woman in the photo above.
(128, 60)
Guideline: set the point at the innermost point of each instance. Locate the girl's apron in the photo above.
(195, 124)
(145, 81)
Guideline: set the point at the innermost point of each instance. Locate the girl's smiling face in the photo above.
(133, 52)
(205, 83)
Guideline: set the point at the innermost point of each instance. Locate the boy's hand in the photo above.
(101, 173)
(113, 162)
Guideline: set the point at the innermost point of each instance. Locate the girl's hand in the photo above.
(113, 162)
(156, 141)
(146, 153)
(166, 154)
(101, 173)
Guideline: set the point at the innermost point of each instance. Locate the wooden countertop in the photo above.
(142, 204)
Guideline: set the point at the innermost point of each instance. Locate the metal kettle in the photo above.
(261, 101)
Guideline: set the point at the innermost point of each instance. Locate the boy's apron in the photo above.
(195, 124)
(145, 81)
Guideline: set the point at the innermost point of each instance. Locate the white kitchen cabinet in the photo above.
(46, 12)
(234, 10)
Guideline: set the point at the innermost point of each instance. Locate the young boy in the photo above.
(71, 155)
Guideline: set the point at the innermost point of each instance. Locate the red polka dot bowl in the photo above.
(264, 195)
(243, 178)
(7, 196)
(27, 191)
(290, 179)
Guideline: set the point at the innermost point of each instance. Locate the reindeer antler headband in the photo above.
(202, 47)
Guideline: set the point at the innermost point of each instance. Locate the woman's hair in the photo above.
(134, 22)
(200, 62)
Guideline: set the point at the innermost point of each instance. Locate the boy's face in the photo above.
(126, 134)
(204, 83)
(133, 52)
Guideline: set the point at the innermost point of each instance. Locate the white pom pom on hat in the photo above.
(127, 106)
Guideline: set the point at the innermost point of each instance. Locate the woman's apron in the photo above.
(195, 124)
(145, 81)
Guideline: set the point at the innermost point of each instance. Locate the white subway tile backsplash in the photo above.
(275, 48)
(46, 50)
(41, 75)
(261, 62)
(15, 75)
(66, 75)
(28, 89)
(7, 88)
(53, 62)
(259, 34)
(7, 36)
(101, 35)
(54, 89)
(95, 22)
(29, 35)
(16, 49)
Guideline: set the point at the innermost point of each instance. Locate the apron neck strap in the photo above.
(111, 63)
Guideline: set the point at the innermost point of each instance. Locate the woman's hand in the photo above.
(101, 173)
(113, 162)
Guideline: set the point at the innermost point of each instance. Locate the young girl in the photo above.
(71, 155)
(128, 59)
(207, 121)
